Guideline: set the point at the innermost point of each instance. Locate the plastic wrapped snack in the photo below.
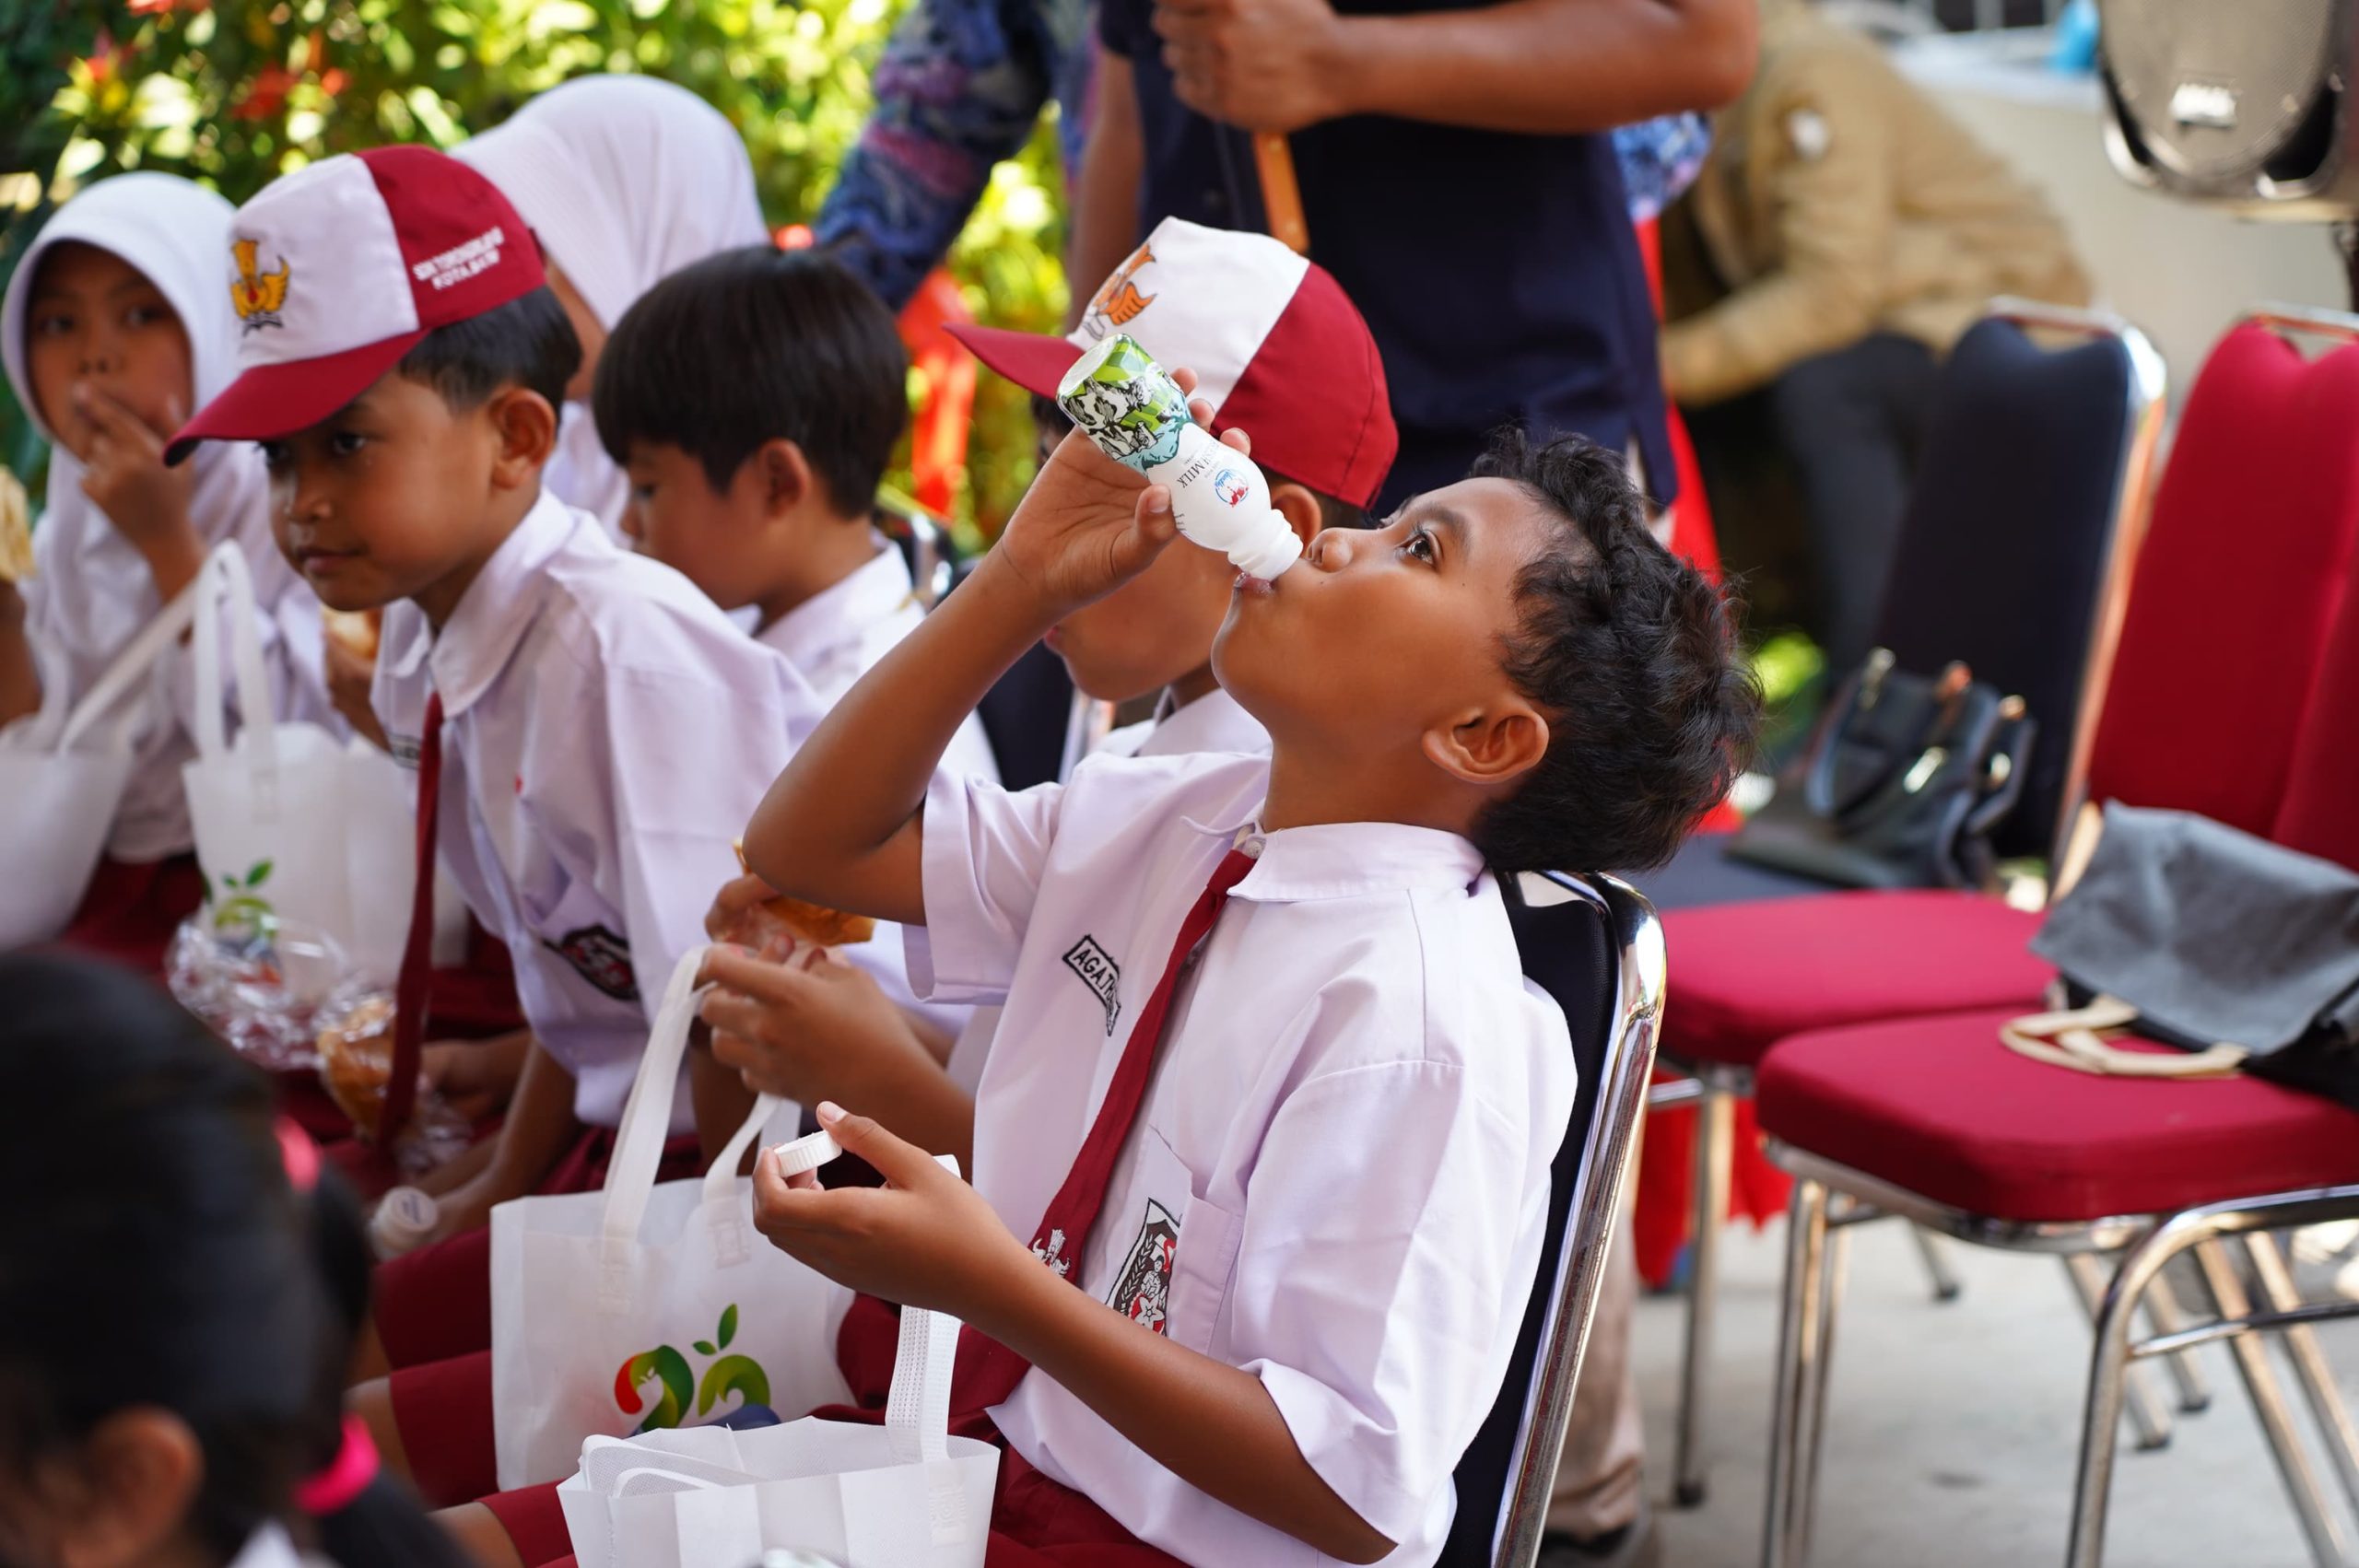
(811, 925)
(354, 1045)
(256, 982)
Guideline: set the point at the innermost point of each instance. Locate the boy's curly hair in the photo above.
(1631, 654)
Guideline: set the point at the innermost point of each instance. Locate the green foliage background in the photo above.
(237, 92)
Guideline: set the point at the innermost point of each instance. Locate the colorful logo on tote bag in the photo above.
(678, 1390)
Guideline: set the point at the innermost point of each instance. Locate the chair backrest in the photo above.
(2026, 504)
(2238, 580)
(2320, 813)
(1593, 945)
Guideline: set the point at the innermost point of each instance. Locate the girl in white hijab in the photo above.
(625, 179)
(116, 324)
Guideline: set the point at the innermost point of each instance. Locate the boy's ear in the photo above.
(1300, 507)
(784, 475)
(526, 426)
(1489, 746)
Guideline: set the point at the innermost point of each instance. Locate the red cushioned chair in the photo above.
(2010, 565)
(1936, 1120)
(2253, 555)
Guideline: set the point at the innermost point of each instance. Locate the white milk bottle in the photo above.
(1135, 413)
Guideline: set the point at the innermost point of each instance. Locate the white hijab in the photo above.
(625, 179)
(91, 591)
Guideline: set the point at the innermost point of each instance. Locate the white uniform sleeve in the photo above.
(1392, 1230)
(985, 850)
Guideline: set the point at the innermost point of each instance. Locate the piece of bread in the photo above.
(356, 1060)
(356, 630)
(16, 530)
(813, 923)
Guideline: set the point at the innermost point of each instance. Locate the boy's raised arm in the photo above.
(841, 826)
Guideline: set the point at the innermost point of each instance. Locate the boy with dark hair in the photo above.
(402, 365)
(754, 399)
(1304, 1144)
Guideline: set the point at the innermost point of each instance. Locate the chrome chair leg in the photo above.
(1834, 1255)
(2146, 1408)
(1714, 1139)
(2101, 1411)
(1937, 1263)
(2318, 1524)
(2163, 1307)
(2311, 1370)
(1800, 1323)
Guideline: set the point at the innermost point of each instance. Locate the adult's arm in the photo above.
(1542, 67)
(959, 87)
(1829, 184)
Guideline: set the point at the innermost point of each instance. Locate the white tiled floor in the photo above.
(1952, 1427)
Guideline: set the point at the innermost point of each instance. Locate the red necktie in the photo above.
(410, 992)
(987, 1370)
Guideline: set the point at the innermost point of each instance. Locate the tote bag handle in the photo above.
(2075, 1038)
(129, 668)
(226, 575)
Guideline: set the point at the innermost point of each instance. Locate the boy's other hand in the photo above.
(732, 908)
(1088, 524)
(926, 1240)
(125, 474)
(814, 1026)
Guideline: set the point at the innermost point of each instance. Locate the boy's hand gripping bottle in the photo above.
(1136, 414)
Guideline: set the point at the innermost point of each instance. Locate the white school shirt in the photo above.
(1213, 722)
(1339, 1179)
(607, 734)
(832, 639)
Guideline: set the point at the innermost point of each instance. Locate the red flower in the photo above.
(266, 96)
(794, 237)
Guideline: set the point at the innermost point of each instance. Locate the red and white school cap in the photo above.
(1277, 347)
(340, 268)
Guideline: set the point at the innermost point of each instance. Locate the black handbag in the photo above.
(2243, 953)
(1901, 784)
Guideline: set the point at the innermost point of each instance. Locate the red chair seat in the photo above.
(1744, 976)
(1938, 1105)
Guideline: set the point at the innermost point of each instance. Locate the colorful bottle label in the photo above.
(1126, 404)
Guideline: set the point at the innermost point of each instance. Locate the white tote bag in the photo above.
(268, 810)
(649, 1307)
(61, 776)
(903, 1495)
(285, 815)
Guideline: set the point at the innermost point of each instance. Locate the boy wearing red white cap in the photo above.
(402, 362)
(1276, 347)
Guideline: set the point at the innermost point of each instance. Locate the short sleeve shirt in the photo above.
(1339, 1180)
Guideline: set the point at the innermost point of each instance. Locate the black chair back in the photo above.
(1593, 945)
(2016, 516)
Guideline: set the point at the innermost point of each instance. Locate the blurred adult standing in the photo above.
(1849, 232)
(1455, 176)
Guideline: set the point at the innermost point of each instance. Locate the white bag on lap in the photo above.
(903, 1495)
(62, 773)
(647, 1306)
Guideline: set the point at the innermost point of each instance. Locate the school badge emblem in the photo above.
(1119, 302)
(257, 296)
(1142, 1289)
(600, 957)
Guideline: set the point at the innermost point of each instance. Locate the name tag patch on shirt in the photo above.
(1101, 974)
(1142, 1289)
(600, 957)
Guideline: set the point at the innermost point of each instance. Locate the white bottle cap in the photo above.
(1283, 550)
(806, 1153)
(405, 1217)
